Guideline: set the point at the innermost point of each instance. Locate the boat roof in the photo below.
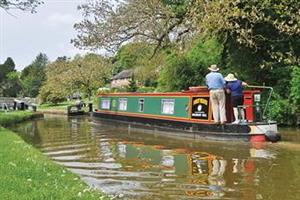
(199, 90)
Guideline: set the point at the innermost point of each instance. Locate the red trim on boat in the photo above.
(154, 116)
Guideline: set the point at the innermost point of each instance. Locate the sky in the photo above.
(24, 35)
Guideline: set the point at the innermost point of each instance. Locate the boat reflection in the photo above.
(196, 174)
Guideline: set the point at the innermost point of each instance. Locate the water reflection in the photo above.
(135, 165)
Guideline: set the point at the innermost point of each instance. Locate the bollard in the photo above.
(33, 108)
(15, 105)
(22, 106)
(69, 109)
(90, 107)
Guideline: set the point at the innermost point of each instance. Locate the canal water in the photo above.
(134, 164)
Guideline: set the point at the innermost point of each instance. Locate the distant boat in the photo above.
(187, 112)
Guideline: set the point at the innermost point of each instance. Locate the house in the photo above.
(122, 79)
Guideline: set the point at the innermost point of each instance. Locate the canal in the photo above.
(134, 164)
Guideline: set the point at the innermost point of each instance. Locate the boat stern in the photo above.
(264, 130)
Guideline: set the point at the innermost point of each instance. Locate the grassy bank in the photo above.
(25, 173)
(60, 108)
(15, 117)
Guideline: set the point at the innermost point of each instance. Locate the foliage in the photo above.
(138, 56)
(109, 24)
(178, 7)
(34, 75)
(10, 85)
(119, 89)
(25, 5)
(5, 68)
(56, 88)
(89, 73)
(190, 68)
(295, 90)
(148, 68)
(176, 75)
(132, 87)
(145, 89)
(205, 52)
(281, 111)
(65, 77)
(128, 56)
(270, 28)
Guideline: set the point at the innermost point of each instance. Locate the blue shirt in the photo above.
(235, 88)
(214, 80)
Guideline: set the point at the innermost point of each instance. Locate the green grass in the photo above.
(60, 107)
(8, 118)
(27, 174)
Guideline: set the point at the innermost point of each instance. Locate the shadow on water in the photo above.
(135, 164)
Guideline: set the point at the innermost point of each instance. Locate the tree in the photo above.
(137, 56)
(25, 5)
(7, 67)
(34, 75)
(132, 87)
(9, 79)
(189, 68)
(89, 73)
(128, 56)
(176, 75)
(108, 24)
(56, 88)
(295, 90)
(12, 86)
(67, 76)
(269, 28)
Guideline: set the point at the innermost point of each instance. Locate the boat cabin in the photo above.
(192, 105)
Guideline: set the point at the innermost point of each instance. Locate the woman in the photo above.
(235, 88)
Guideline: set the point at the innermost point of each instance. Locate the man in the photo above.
(216, 84)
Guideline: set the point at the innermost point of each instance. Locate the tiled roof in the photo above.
(123, 74)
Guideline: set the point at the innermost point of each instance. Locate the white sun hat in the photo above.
(230, 77)
(214, 68)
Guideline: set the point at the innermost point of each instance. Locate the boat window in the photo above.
(167, 106)
(141, 105)
(105, 103)
(123, 104)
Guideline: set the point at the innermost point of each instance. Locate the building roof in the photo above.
(123, 74)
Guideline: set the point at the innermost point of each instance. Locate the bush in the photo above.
(281, 111)
(189, 69)
(295, 90)
(146, 89)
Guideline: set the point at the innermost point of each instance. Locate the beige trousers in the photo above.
(217, 98)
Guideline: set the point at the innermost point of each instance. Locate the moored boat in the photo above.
(187, 112)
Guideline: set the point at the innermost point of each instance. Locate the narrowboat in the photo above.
(187, 112)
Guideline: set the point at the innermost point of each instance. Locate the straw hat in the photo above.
(213, 68)
(230, 77)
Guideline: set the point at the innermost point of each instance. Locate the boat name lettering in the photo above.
(200, 101)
